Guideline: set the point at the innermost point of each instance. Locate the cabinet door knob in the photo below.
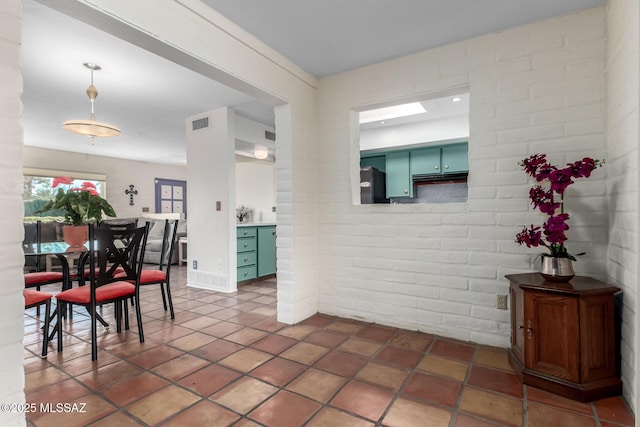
(246, 244)
(246, 259)
(436, 167)
(446, 166)
(246, 232)
(406, 191)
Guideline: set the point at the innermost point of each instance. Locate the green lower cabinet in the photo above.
(256, 252)
(266, 250)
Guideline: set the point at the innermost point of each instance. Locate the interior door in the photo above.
(171, 196)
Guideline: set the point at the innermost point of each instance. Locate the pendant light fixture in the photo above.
(91, 127)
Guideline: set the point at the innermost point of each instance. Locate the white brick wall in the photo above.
(623, 18)
(11, 257)
(437, 268)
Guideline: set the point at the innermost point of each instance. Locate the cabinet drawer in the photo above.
(247, 232)
(246, 273)
(246, 258)
(246, 244)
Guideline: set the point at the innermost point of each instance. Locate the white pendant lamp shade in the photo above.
(91, 127)
(261, 152)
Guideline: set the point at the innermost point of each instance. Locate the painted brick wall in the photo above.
(623, 23)
(438, 268)
(11, 257)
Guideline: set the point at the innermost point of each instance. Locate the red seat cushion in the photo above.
(33, 297)
(81, 294)
(152, 276)
(42, 278)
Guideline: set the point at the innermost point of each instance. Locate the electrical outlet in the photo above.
(218, 205)
(501, 302)
(195, 264)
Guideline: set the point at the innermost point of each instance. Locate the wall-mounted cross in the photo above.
(131, 192)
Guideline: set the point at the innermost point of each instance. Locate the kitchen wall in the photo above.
(438, 267)
(256, 188)
(623, 45)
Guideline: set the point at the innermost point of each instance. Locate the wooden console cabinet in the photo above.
(563, 336)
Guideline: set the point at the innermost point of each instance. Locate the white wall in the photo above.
(11, 257)
(623, 45)
(438, 268)
(120, 174)
(256, 188)
(211, 172)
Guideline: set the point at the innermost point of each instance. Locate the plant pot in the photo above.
(556, 269)
(75, 236)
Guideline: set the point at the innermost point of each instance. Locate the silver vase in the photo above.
(556, 269)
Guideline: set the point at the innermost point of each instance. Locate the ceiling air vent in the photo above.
(200, 123)
(271, 136)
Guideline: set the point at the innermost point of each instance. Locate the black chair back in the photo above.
(168, 244)
(118, 249)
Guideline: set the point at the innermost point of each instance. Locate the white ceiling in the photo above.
(149, 97)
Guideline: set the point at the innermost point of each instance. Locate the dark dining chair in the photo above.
(36, 278)
(33, 298)
(114, 250)
(161, 274)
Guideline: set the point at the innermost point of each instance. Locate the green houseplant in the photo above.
(79, 205)
(548, 197)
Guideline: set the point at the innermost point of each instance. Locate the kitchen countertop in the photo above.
(255, 224)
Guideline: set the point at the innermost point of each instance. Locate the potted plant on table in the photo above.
(79, 204)
(549, 199)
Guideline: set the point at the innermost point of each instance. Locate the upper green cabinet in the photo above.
(455, 158)
(377, 162)
(425, 160)
(443, 159)
(401, 165)
(398, 175)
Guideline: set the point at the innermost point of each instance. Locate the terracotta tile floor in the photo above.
(225, 360)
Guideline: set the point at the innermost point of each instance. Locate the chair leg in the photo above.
(139, 319)
(164, 299)
(45, 339)
(117, 309)
(173, 316)
(61, 309)
(94, 334)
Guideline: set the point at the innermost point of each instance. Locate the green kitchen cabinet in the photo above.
(266, 250)
(442, 159)
(256, 251)
(425, 160)
(398, 176)
(455, 158)
(247, 245)
(377, 162)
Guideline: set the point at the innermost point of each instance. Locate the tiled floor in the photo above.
(225, 360)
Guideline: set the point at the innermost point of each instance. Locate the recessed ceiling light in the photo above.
(393, 112)
(456, 99)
